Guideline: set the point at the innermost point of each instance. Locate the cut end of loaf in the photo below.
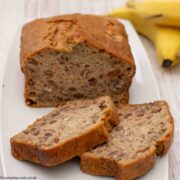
(144, 131)
(69, 130)
(85, 72)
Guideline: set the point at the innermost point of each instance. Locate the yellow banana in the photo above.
(161, 12)
(165, 39)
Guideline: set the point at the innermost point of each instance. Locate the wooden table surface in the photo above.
(12, 12)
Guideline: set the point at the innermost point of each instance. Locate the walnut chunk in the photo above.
(92, 81)
(30, 82)
(34, 61)
(53, 121)
(156, 109)
(56, 140)
(36, 133)
(48, 73)
(102, 105)
(30, 102)
(127, 115)
(72, 89)
(48, 134)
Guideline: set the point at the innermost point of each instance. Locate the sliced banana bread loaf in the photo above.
(68, 131)
(144, 132)
(73, 57)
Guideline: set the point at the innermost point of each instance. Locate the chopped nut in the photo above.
(48, 73)
(48, 134)
(36, 133)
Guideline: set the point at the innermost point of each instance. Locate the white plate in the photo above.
(15, 116)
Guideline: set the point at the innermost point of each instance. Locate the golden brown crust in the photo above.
(164, 143)
(47, 33)
(78, 144)
(52, 157)
(109, 167)
(138, 167)
(105, 166)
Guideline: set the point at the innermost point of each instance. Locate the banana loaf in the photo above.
(75, 57)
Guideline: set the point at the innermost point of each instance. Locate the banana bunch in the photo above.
(159, 21)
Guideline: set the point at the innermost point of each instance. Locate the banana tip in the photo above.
(167, 63)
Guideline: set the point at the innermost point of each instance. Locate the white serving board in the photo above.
(15, 116)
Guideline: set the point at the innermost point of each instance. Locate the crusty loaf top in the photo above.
(64, 32)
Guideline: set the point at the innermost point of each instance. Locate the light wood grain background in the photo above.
(12, 12)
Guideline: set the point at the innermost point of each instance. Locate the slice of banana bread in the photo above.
(144, 132)
(74, 57)
(69, 130)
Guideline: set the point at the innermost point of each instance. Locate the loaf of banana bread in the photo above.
(75, 57)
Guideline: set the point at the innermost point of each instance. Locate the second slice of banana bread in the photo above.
(144, 132)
